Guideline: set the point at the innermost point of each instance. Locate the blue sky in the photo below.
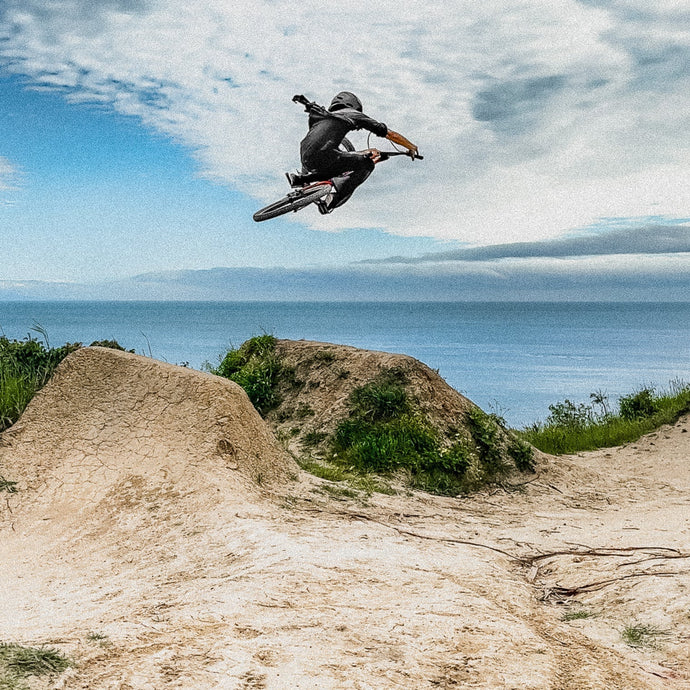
(96, 195)
(138, 137)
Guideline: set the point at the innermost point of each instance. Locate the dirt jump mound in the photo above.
(108, 415)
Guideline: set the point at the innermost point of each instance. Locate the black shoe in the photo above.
(293, 179)
(325, 204)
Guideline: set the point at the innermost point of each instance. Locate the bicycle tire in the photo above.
(292, 202)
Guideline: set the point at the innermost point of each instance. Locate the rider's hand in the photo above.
(374, 154)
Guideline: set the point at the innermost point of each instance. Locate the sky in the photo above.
(139, 136)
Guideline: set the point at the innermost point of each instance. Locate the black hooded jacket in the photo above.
(319, 149)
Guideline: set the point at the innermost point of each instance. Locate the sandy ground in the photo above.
(153, 568)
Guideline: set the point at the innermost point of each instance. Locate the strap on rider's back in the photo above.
(316, 109)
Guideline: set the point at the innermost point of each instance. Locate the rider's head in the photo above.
(345, 99)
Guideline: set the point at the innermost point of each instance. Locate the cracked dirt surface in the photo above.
(163, 539)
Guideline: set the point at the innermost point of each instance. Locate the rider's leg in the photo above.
(345, 185)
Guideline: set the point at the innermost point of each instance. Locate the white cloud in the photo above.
(8, 175)
(535, 117)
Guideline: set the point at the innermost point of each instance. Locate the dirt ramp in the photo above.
(107, 415)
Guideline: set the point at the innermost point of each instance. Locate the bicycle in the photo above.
(314, 187)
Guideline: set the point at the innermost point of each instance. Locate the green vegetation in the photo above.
(571, 428)
(325, 356)
(25, 367)
(7, 485)
(577, 614)
(98, 638)
(256, 367)
(366, 483)
(640, 635)
(18, 663)
(386, 432)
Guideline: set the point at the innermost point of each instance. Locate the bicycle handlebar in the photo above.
(385, 155)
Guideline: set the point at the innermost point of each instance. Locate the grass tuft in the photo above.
(577, 614)
(640, 635)
(8, 485)
(18, 663)
(366, 483)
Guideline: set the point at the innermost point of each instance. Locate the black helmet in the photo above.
(345, 99)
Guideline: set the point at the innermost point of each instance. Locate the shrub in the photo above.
(386, 432)
(567, 414)
(640, 404)
(485, 434)
(522, 454)
(571, 428)
(25, 367)
(379, 400)
(29, 357)
(256, 367)
(112, 344)
(385, 445)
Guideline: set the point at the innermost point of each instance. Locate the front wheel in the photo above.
(292, 202)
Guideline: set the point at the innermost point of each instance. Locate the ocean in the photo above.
(511, 358)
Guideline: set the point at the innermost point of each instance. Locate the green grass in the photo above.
(16, 391)
(98, 638)
(385, 433)
(640, 635)
(26, 366)
(572, 428)
(256, 367)
(8, 485)
(577, 614)
(18, 664)
(364, 482)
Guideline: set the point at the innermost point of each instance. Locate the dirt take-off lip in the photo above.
(163, 538)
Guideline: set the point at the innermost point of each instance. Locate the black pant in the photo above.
(332, 164)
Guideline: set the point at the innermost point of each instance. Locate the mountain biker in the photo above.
(321, 155)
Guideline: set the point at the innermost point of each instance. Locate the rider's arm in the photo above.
(363, 121)
(401, 140)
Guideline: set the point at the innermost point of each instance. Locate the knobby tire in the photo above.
(292, 203)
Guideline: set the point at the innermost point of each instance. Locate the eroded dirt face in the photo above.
(167, 569)
(316, 397)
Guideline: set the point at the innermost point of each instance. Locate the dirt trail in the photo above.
(151, 555)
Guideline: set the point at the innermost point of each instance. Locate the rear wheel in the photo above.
(292, 202)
